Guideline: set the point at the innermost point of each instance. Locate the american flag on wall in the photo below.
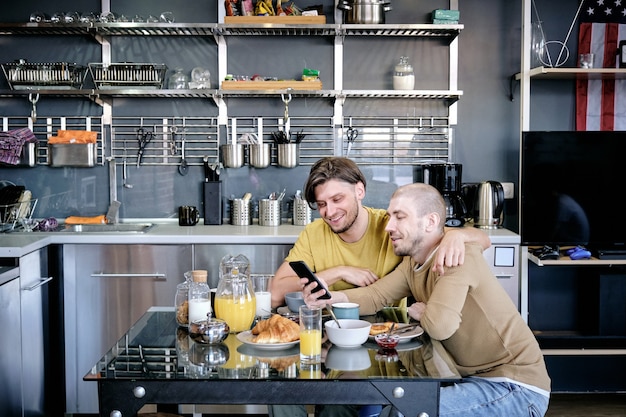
(601, 104)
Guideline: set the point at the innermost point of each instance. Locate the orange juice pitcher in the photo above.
(234, 299)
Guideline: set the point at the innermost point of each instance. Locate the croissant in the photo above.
(276, 329)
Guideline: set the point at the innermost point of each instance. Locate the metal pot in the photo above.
(364, 11)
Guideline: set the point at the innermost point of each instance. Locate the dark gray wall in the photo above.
(486, 137)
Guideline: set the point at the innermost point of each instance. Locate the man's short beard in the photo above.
(349, 225)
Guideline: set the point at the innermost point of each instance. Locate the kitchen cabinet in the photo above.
(29, 363)
(570, 305)
(40, 363)
(11, 341)
(106, 289)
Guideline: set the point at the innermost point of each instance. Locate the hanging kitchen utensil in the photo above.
(183, 168)
(286, 115)
(33, 98)
(125, 182)
(172, 139)
(351, 135)
(143, 138)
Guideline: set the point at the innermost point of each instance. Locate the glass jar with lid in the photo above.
(200, 78)
(178, 80)
(403, 75)
(199, 296)
(181, 302)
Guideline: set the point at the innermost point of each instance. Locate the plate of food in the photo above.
(275, 333)
(405, 331)
(252, 349)
(249, 339)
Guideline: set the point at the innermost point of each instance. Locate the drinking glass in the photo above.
(310, 334)
(261, 286)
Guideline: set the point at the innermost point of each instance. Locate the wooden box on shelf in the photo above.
(285, 20)
(271, 85)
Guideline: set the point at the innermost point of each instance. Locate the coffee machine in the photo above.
(446, 177)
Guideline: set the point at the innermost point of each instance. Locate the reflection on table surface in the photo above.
(155, 348)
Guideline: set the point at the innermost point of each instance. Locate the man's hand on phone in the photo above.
(312, 297)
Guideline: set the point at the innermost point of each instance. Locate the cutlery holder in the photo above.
(269, 212)
(288, 155)
(301, 212)
(240, 212)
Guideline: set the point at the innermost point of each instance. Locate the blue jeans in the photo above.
(478, 397)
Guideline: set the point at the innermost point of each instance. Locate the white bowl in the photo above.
(353, 333)
(342, 359)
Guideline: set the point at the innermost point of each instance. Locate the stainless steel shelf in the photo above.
(451, 96)
(566, 261)
(544, 73)
(210, 29)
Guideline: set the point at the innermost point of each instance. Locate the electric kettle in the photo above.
(489, 205)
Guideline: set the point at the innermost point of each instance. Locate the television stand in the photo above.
(611, 254)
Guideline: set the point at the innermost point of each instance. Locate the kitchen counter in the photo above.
(17, 244)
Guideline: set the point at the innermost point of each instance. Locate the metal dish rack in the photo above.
(50, 75)
(11, 214)
(127, 75)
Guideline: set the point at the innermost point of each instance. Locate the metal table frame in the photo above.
(412, 397)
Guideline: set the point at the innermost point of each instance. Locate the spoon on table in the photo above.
(332, 314)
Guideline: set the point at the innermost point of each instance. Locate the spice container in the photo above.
(403, 75)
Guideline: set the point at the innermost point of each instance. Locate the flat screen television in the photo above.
(571, 189)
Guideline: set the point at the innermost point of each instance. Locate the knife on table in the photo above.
(405, 329)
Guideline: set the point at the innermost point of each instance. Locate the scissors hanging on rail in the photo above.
(143, 138)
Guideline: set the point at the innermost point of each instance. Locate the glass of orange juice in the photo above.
(310, 334)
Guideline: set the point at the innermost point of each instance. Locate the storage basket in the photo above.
(10, 214)
(51, 75)
(127, 75)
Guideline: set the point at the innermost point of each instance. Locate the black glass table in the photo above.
(156, 362)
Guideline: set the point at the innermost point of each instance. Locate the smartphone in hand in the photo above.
(303, 271)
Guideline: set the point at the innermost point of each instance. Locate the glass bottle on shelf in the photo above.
(178, 80)
(403, 75)
(199, 296)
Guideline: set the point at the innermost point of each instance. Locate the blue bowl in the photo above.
(294, 300)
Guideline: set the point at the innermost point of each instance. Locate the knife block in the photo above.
(212, 202)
